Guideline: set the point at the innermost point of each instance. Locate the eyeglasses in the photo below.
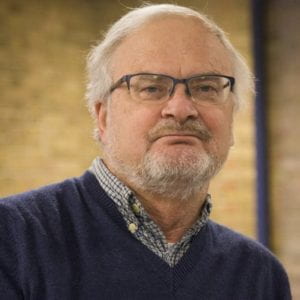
(158, 87)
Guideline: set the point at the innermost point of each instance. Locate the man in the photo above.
(163, 86)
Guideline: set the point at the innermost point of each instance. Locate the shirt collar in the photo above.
(124, 197)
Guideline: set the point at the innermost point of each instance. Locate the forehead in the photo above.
(177, 46)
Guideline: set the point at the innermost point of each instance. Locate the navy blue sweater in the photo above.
(68, 241)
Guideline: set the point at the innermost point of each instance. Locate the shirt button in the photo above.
(135, 208)
(132, 227)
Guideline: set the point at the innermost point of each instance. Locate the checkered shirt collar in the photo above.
(138, 221)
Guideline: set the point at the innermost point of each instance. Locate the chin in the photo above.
(176, 176)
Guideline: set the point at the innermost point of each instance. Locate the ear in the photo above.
(101, 115)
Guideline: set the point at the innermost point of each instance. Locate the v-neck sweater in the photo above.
(69, 241)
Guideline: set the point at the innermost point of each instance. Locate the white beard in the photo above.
(178, 178)
(171, 177)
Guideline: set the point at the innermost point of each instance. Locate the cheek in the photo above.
(128, 126)
(220, 125)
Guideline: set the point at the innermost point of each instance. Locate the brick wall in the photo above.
(45, 129)
(46, 132)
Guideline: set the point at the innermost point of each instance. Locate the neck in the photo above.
(173, 216)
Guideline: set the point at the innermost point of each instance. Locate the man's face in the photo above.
(177, 134)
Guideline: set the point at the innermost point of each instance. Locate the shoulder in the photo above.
(255, 265)
(229, 237)
(44, 199)
(35, 217)
(232, 259)
(238, 248)
(231, 241)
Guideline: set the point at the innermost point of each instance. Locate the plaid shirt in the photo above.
(138, 221)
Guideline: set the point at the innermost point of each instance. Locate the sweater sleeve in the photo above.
(9, 281)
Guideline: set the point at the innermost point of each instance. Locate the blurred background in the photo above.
(46, 131)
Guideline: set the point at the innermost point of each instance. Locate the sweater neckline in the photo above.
(158, 266)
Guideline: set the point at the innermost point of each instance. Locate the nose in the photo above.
(180, 106)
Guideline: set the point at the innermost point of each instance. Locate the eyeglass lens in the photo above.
(150, 87)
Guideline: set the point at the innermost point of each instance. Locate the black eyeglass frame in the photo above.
(126, 78)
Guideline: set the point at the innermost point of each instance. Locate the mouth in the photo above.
(176, 138)
(181, 133)
(182, 137)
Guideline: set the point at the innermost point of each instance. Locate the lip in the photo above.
(179, 138)
(188, 135)
(179, 135)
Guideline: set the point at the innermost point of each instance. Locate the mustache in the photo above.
(169, 127)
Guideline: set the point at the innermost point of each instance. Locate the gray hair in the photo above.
(99, 58)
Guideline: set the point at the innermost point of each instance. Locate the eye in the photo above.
(152, 92)
(206, 88)
(151, 89)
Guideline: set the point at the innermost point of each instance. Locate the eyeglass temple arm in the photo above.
(231, 82)
(125, 78)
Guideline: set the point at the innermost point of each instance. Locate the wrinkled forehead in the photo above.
(178, 46)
